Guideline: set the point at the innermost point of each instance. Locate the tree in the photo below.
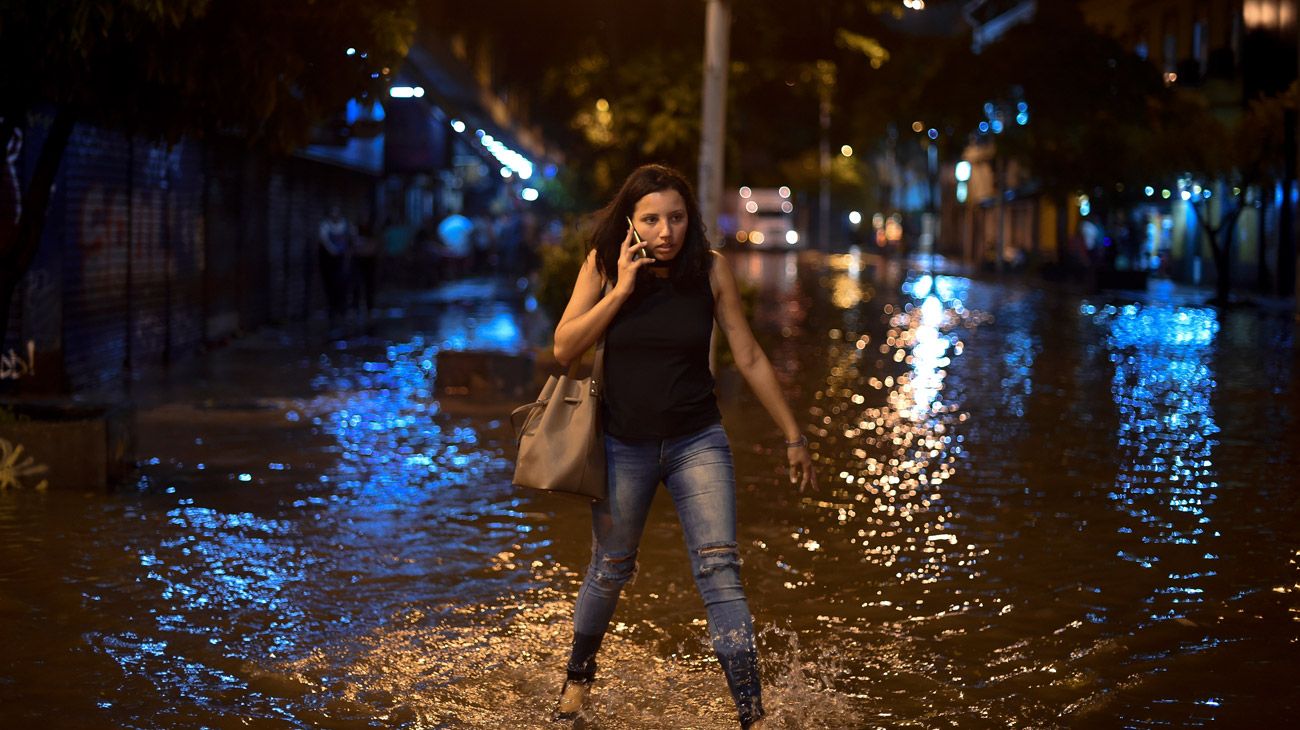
(557, 60)
(603, 80)
(266, 72)
(1087, 99)
(1214, 162)
(1069, 104)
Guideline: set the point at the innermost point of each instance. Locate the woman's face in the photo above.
(660, 219)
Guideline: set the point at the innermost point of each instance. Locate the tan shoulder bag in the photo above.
(560, 436)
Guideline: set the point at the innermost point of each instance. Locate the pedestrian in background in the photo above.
(507, 231)
(335, 238)
(456, 252)
(365, 265)
(661, 418)
(483, 239)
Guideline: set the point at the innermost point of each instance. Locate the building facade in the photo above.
(152, 253)
(1228, 52)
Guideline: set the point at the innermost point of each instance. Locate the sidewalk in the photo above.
(478, 313)
(239, 406)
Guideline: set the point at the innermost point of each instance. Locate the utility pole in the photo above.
(930, 225)
(825, 90)
(713, 113)
(1000, 182)
(1286, 248)
(1288, 281)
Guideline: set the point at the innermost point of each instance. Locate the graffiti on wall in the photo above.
(103, 218)
(15, 365)
(11, 197)
(14, 468)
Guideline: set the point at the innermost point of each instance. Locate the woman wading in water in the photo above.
(665, 290)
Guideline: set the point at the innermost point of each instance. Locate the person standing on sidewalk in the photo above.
(661, 417)
(335, 238)
(455, 233)
(365, 268)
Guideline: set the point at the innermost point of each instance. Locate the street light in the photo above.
(962, 174)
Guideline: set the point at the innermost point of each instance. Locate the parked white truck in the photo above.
(764, 219)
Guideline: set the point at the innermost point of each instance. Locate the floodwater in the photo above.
(1036, 509)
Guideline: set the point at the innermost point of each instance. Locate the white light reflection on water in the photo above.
(1162, 385)
(895, 442)
(929, 358)
(846, 286)
(783, 306)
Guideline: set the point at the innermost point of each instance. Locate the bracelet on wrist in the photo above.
(801, 441)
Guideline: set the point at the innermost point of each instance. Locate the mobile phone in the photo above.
(644, 251)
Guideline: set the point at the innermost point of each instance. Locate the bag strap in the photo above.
(598, 366)
(518, 424)
(598, 369)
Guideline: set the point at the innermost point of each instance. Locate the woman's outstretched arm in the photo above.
(757, 369)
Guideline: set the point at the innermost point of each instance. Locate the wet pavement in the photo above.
(1037, 509)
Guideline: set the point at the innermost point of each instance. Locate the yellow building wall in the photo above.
(1048, 247)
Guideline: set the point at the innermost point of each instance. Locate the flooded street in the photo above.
(1036, 509)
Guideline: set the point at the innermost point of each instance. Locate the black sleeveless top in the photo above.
(657, 379)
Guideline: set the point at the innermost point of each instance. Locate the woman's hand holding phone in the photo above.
(644, 251)
(635, 254)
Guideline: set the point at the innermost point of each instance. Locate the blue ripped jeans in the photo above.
(698, 472)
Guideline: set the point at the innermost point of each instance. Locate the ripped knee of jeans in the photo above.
(616, 569)
(714, 558)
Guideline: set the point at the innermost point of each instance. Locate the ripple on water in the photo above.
(458, 665)
(1033, 514)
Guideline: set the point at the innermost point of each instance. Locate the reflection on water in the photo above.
(781, 306)
(1163, 384)
(847, 289)
(894, 442)
(334, 557)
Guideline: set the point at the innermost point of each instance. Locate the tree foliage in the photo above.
(645, 61)
(1217, 160)
(630, 113)
(1087, 101)
(164, 70)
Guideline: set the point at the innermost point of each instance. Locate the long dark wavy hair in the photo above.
(692, 263)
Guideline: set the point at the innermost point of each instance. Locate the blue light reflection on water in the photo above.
(395, 446)
(1022, 349)
(405, 506)
(1073, 642)
(493, 327)
(1162, 386)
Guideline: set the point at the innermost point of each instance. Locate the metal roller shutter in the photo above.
(97, 220)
